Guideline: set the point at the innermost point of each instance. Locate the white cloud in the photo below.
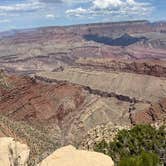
(50, 16)
(77, 12)
(64, 1)
(116, 8)
(107, 3)
(26, 6)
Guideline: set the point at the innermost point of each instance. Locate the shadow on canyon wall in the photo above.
(124, 40)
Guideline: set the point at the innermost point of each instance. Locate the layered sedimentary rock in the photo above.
(48, 116)
(144, 67)
(143, 93)
(140, 87)
(155, 113)
(29, 51)
(82, 78)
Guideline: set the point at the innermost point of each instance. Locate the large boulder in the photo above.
(70, 156)
(13, 153)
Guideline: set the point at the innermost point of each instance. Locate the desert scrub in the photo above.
(128, 143)
(144, 159)
(39, 142)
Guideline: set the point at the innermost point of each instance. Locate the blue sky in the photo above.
(22, 14)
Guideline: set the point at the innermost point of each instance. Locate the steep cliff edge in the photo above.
(141, 87)
(144, 67)
(144, 94)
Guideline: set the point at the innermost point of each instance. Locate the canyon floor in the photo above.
(67, 85)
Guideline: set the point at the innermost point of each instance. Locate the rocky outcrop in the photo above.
(13, 153)
(154, 68)
(71, 157)
(141, 87)
(156, 113)
(145, 95)
(105, 132)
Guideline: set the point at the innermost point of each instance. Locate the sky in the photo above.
(24, 14)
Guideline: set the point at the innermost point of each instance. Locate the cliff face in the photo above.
(141, 87)
(47, 115)
(145, 94)
(49, 48)
(155, 113)
(144, 67)
(76, 78)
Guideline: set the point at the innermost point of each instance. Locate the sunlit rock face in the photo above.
(13, 153)
(69, 156)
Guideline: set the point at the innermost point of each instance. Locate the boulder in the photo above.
(70, 156)
(13, 153)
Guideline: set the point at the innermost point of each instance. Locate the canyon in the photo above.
(76, 84)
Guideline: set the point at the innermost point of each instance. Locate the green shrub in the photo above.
(145, 159)
(132, 142)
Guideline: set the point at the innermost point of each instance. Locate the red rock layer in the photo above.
(25, 99)
(156, 113)
(154, 68)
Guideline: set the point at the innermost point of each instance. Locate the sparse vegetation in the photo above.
(145, 159)
(38, 141)
(130, 144)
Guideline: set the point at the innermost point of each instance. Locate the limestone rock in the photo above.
(13, 153)
(70, 156)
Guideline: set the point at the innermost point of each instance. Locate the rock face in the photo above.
(144, 67)
(64, 82)
(69, 156)
(105, 132)
(13, 153)
(141, 87)
(146, 94)
(48, 115)
(155, 113)
(45, 49)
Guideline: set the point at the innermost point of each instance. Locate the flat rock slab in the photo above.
(70, 156)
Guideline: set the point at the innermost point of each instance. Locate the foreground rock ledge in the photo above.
(70, 156)
(12, 152)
